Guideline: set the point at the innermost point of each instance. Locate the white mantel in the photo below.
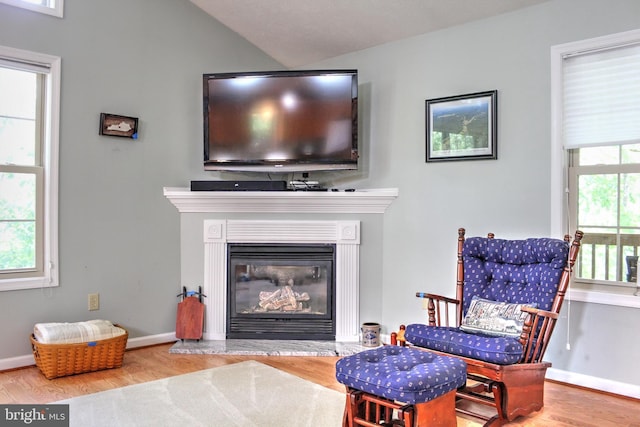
(360, 201)
(345, 234)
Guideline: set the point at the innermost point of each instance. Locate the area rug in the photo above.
(242, 394)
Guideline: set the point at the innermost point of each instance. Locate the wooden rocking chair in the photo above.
(505, 369)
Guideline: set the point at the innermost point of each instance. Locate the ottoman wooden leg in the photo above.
(439, 412)
(350, 407)
(364, 409)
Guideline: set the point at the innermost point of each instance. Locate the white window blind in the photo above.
(602, 97)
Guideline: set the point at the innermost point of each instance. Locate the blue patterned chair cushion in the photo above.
(511, 271)
(498, 350)
(402, 374)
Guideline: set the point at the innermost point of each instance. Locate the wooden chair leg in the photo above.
(521, 393)
(499, 397)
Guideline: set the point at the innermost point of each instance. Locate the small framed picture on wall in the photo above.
(115, 125)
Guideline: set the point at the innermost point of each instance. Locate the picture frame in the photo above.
(116, 125)
(462, 127)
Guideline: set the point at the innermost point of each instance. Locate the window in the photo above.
(29, 105)
(596, 128)
(50, 7)
(604, 189)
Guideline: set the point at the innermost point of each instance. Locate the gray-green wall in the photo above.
(510, 196)
(120, 236)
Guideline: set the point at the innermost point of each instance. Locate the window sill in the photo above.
(56, 10)
(618, 296)
(28, 283)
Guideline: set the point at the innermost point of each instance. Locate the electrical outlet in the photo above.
(94, 302)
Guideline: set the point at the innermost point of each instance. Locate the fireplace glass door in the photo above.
(281, 292)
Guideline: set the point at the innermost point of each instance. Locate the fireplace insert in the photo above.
(278, 291)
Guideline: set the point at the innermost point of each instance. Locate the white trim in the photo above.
(597, 43)
(51, 160)
(56, 10)
(151, 340)
(360, 201)
(559, 186)
(594, 383)
(16, 362)
(607, 298)
(50, 278)
(27, 360)
(345, 235)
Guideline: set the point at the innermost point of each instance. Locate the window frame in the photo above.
(48, 276)
(585, 291)
(56, 10)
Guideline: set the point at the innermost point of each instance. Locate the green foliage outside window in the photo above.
(608, 211)
(18, 115)
(17, 221)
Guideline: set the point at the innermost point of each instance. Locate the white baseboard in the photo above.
(27, 360)
(595, 383)
(16, 362)
(151, 340)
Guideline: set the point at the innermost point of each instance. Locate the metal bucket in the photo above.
(370, 334)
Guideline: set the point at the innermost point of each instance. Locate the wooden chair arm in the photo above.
(536, 333)
(537, 312)
(437, 305)
(437, 297)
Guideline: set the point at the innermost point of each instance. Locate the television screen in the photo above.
(284, 121)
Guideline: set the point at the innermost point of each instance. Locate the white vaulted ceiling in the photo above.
(300, 32)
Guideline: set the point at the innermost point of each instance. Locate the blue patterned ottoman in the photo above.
(419, 385)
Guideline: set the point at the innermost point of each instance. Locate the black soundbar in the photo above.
(238, 185)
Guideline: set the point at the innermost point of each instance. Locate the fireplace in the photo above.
(218, 235)
(281, 291)
(204, 239)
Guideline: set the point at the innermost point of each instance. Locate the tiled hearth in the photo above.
(268, 348)
(217, 233)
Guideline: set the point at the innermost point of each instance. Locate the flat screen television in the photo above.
(281, 121)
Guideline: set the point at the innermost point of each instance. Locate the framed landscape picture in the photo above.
(462, 127)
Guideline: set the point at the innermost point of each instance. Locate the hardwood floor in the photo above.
(564, 405)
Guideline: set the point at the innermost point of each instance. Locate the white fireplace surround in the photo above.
(344, 234)
(218, 233)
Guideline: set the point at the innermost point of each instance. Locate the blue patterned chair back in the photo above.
(513, 271)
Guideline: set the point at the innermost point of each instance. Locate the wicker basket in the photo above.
(60, 360)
